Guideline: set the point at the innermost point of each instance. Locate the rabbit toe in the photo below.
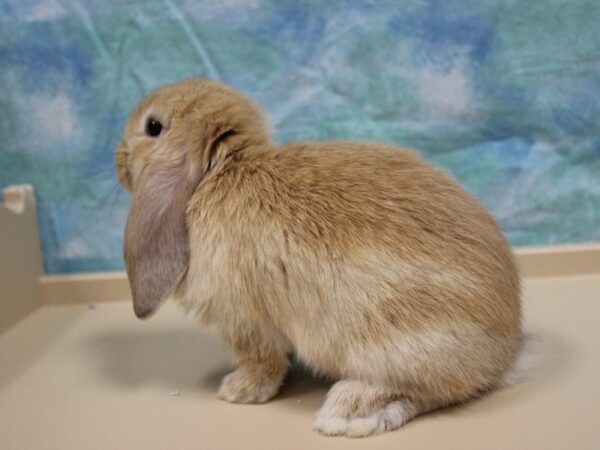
(246, 386)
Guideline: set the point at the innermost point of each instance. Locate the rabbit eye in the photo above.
(153, 127)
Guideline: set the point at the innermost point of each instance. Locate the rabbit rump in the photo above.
(376, 270)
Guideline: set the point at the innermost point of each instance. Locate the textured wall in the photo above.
(503, 94)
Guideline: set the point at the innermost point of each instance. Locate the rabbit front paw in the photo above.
(250, 385)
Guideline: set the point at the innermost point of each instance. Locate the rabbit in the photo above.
(374, 269)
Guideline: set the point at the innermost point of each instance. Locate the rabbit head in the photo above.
(174, 138)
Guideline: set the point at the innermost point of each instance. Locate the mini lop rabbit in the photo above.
(375, 269)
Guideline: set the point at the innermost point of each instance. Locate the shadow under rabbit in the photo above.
(174, 358)
(179, 359)
(299, 385)
(300, 380)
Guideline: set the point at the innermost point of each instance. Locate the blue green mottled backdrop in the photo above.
(503, 94)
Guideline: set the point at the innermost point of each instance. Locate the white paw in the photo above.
(243, 386)
(393, 416)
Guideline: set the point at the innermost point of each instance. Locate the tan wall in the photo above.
(20, 256)
(534, 262)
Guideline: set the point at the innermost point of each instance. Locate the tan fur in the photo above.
(373, 267)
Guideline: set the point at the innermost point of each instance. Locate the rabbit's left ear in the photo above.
(157, 250)
(156, 238)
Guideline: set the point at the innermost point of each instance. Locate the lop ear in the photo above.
(157, 248)
(219, 147)
(156, 239)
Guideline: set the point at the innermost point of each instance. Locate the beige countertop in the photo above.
(75, 377)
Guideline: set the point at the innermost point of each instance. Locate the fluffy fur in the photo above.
(374, 268)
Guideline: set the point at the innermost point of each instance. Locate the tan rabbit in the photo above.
(375, 269)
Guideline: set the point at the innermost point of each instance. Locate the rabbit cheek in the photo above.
(122, 166)
(135, 166)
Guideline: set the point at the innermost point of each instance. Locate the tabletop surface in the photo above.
(94, 377)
